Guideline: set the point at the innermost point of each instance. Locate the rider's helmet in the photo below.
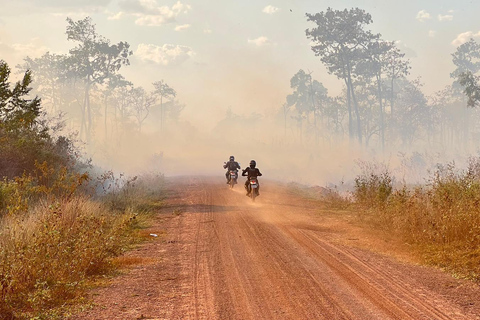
(252, 164)
(232, 158)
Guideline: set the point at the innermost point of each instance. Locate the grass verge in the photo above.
(52, 253)
(440, 220)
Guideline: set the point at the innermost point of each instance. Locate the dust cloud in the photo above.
(255, 126)
(184, 147)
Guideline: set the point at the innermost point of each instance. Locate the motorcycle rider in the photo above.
(251, 172)
(231, 165)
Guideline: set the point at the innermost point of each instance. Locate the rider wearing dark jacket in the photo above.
(231, 165)
(251, 172)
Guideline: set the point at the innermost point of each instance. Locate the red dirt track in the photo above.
(220, 256)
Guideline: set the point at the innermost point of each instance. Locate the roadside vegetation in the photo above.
(60, 224)
(441, 219)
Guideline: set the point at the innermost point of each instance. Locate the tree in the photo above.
(120, 99)
(373, 67)
(25, 138)
(370, 113)
(164, 91)
(114, 82)
(413, 113)
(141, 102)
(467, 60)
(307, 97)
(445, 117)
(174, 108)
(93, 61)
(471, 88)
(335, 111)
(384, 59)
(301, 96)
(319, 97)
(49, 72)
(339, 39)
(17, 111)
(396, 67)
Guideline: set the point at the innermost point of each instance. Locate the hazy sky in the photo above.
(237, 54)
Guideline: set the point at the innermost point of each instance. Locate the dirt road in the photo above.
(220, 256)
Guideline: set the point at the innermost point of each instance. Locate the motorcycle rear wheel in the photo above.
(253, 194)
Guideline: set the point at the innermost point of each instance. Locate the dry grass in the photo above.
(46, 256)
(52, 252)
(124, 261)
(441, 219)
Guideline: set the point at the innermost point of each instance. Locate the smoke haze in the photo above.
(231, 66)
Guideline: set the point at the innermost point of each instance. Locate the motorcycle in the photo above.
(233, 178)
(253, 188)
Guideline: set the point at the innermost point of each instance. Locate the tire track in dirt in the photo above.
(280, 266)
(390, 298)
(421, 306)
(198, 302)
(299, 268)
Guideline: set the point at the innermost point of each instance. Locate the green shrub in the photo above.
(45, 182)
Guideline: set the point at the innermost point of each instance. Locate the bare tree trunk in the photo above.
(466, 125)
(391, 99)
(161, 113)
(89, 113)
(349, 105)
(88, 121)
(105, 123)
(382, 122)
(115, 120)
(355, 106)
(54, 98)
(84, 127)
(312, 95)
